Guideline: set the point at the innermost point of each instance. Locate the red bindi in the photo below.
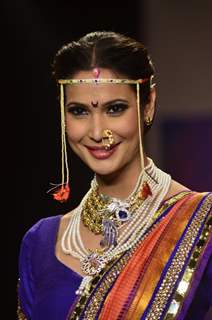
(94, 104)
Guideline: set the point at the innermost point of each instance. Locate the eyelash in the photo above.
(113, 110)
(116, 108)
(77, 111)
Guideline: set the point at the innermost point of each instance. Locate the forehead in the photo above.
(84, 91)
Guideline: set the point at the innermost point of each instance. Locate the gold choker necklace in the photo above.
(105, 215)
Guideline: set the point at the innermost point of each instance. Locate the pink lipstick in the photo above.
(101, 153)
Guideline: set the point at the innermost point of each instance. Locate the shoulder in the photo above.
(38, 242)
(41, 229)
(177, 188)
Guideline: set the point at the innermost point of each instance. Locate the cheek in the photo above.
(128, 127)
(74, 130)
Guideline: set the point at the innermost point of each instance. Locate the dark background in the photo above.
(32, 32)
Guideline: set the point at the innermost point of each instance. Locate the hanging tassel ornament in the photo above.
(61, 192)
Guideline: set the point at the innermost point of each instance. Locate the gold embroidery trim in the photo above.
(169, 202)
(97, 298)
(20, 313)
(176, 266)
(184, 284)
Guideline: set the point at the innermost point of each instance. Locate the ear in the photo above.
(149, 110)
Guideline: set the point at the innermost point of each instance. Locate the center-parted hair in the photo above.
(104, 49)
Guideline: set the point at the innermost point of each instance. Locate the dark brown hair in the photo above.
(105, 49)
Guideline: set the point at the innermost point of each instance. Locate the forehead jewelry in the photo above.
(107, 138)
(61, 191)
(96, 72)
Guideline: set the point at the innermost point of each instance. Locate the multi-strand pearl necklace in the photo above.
(142, 219)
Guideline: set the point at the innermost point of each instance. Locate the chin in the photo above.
(103, 170)
(101, 166)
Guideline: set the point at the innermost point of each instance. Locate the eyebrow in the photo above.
(75, 103)
(115, 101)
(81, 104)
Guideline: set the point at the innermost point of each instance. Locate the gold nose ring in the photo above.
(107, 138)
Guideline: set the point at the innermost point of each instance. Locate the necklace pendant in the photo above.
(110, 233)
(92, 264)
(120, 209)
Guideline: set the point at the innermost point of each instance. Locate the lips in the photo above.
(101, 153)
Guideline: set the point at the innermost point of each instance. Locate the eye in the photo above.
(116, 108)
(77, 111)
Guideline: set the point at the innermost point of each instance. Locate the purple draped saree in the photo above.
(168, 275)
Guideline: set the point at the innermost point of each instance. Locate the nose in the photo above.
(97, 126)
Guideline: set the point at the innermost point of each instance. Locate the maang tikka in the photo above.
(96, 73)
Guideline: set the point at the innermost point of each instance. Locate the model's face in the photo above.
(92, 108)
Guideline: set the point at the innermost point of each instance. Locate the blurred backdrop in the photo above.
(178, 36)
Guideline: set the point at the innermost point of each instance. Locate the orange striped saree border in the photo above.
(170, 230)
(89, 306)
(173, 272)
(186, 288)
(107, 284)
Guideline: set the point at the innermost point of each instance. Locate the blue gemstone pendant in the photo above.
(122, 215)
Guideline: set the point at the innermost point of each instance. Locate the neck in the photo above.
(120, 184)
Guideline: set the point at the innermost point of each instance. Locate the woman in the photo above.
(137, 246)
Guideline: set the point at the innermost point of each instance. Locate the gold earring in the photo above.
(107, 138)
(148, 121)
